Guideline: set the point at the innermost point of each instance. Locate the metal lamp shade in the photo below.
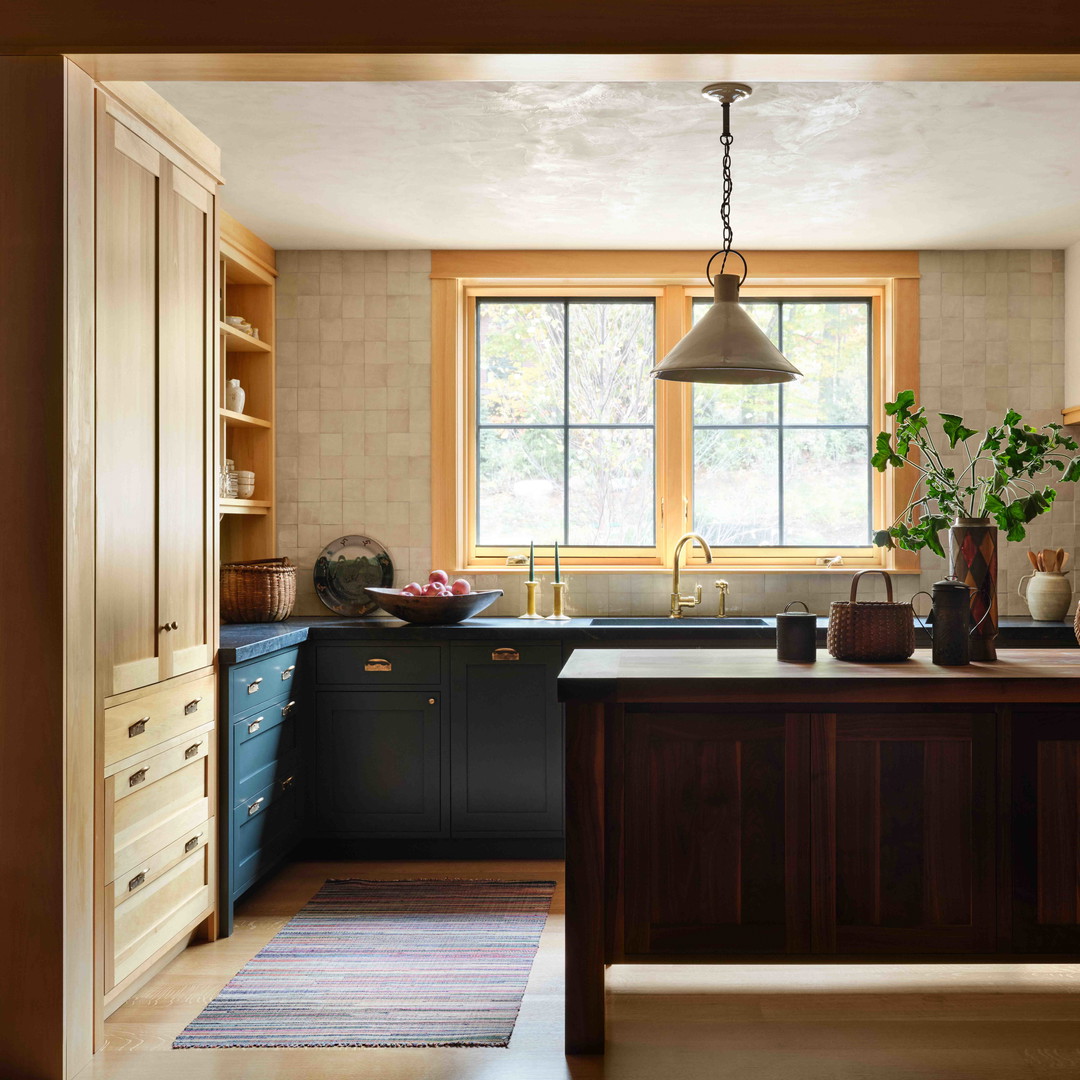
(726, 346)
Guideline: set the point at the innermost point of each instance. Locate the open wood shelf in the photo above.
(236, 419)
(245, 506)
(238, 341)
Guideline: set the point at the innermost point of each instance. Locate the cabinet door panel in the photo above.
(1045, 830)
(715, 832)
(506, 740)
(378, 763)
(128, 203)
(185, 440)
(906, 851)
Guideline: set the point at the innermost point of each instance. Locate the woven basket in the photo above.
(870, 630)
(259, 591)
(1076, 624)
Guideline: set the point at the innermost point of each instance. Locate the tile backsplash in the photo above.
(354, 417)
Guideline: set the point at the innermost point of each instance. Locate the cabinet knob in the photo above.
(253, 686)
(174, 625)
(166, 628)
(431, 701)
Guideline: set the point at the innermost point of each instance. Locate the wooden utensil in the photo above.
(1034, 560)
(1059, 562)
(1064, 560)
(1047, 557)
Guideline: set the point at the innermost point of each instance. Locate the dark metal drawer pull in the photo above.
(192, 844)
(138, 777)
(506, 654)
(255, 725)
(192, 706)
(138, 727)
(137, 880)
(192, 750)
(286, 675)
(253, 808)
(253, 686)
(287, 783)
(287, 709)
(377, 663)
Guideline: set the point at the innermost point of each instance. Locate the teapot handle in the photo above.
(923, 592)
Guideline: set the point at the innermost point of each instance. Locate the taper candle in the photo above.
(532, 561)
(557, 578)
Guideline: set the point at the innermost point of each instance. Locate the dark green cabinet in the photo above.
(379, 763)
(505, 740)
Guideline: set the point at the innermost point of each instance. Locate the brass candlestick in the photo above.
(530, 601)
(559, 588)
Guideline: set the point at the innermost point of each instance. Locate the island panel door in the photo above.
(904, 832)
(1045, 829)
(716, 832)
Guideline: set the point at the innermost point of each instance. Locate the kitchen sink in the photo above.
(675, 623)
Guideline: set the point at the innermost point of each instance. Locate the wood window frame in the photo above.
(888, 278)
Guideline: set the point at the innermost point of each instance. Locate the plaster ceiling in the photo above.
(636, 165)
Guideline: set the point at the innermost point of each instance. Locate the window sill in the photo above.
(694, 568)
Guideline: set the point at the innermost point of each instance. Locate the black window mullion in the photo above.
(566, 422)
(780, 430)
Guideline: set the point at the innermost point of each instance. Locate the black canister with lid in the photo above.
(796, 635)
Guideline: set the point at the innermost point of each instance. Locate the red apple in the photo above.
(439, 576)
(461, 587)
(430, 589)
(412, 589)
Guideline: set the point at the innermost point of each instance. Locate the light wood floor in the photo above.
(770, 1022)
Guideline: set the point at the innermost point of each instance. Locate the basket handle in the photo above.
(862, 573)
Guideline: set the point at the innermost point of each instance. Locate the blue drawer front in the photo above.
(264, 747)
(265, 827)
(261, 680)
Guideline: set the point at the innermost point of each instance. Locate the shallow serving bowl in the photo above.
(433, 610)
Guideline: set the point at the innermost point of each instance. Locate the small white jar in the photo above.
(235, 396)
(1048, 595)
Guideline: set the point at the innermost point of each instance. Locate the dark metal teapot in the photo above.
(950, 615)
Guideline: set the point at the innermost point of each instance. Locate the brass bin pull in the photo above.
(192, 706)
(287, 709)
(287, 673)
(287, 783)
(255, 725)
(192, 750)
(506, 654)
(253, 686)
(377, 663)
(138, 776)
(138, 879)
(192, 844)
(253, 808)
(138, 727)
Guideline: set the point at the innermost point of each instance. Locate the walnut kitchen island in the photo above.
(724, 807)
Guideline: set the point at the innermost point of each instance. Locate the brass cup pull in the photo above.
(192, 706)
(253, 808)
(253, 686)
(192, 750)
(138, 879)
(286, 675)
(138, 727)
(287, 709)
(505, 654)
(192, 844)
(377, 663)
(137, 777)
(287, 783)
(255, 725)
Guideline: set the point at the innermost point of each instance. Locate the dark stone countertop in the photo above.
(247, 641)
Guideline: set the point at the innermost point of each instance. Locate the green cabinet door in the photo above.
(506, 740)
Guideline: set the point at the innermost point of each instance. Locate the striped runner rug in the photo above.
(386, 963)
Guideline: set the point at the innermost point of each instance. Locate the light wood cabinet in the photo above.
(155, 364)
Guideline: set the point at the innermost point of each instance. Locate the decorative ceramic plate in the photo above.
(344, 570)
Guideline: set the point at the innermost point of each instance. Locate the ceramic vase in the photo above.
(235, 396)
(1048, 595)
(973, 557)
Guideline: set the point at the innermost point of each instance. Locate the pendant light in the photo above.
(726, 345)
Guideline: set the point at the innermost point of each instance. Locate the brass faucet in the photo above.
(678, 601)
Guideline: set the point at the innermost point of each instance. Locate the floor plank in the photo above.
(695, 1022)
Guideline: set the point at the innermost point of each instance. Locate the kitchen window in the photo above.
(547, 427)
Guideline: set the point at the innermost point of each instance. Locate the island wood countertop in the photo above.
(749, 675)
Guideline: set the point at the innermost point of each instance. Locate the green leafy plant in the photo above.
(1000, 479)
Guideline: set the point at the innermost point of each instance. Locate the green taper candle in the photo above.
(532, 561)
(557, 578)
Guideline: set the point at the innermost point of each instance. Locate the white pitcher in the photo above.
(1048, 595)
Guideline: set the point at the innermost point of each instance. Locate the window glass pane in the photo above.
(740, 404)
(520, 486)
(612, 500)
(520, 362)
(826, 487)
(829, 343)
(611, 354)
(736, 486)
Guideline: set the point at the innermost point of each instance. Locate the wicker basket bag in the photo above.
(870, 630)
(259, 591)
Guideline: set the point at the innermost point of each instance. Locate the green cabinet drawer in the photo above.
(378, 665)
(265, 827)
(262, 680)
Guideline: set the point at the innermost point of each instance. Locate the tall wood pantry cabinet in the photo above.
(156, 330)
